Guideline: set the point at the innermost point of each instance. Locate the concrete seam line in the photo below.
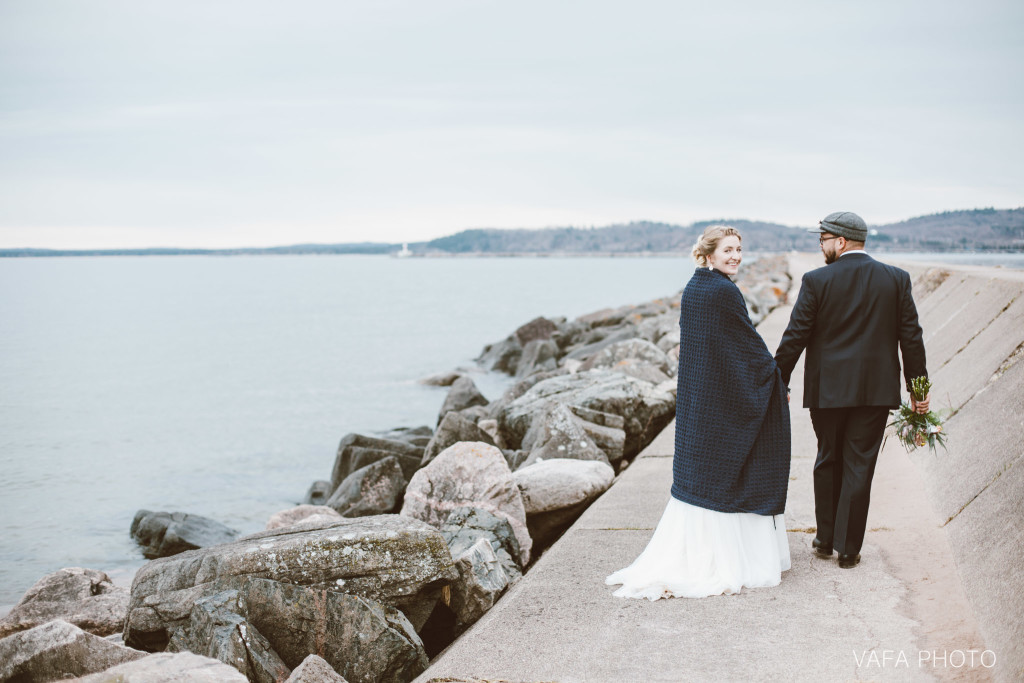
(975, 335)
(1000, 473)
(1005, 365)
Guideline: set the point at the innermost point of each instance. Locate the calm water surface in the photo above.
(221, 386)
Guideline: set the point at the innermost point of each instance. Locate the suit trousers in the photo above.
(848, 443)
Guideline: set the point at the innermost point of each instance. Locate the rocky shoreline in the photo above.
(415, 535)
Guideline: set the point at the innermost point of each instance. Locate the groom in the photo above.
(851, 316)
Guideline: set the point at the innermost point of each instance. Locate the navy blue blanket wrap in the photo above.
(732, 421)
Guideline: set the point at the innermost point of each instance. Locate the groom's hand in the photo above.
(920, 406)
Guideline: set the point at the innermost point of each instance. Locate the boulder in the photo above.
(217, 630)
(605, 429)
(356, 451)
(169, 668)
(444, 379)
(537, 329)
(668, 342)
(558, 484)
(557, 492)
(539, 355)
(502, 356)
(598, 340)
(392, 559)
(414, 436)
(85, 598)
(597, 417)
(462, 395)
(655, 329)
(318, 493)
(558, 433)
(57, 650)
(315, 670)
(482, 580)
(645, 409)
(360, 638)
(629, 350)
(470, 474)
(673, 355)
(454, 427)
(162, 534)
(570, 334)
(515, 459)
(606, 317)
(488, 426)
(641, 370)
(475, 413)
(467, 525)
(372, 490)
(302, 514)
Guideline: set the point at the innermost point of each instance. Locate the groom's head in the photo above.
(840, 232)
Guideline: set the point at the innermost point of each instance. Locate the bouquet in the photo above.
(915, 429)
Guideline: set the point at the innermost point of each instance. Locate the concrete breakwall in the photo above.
(973, 321)
(939, 578)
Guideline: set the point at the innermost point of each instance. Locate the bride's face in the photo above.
(727, 255)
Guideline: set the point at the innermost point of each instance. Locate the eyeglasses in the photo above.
(822, 240)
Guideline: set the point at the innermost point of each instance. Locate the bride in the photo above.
(723, 528)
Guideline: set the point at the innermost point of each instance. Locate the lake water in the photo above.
(221, 386)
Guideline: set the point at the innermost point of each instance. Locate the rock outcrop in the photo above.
(302, 514)
(463, 394)
(358, 450)
(556, 492)
(216, 629)
(454, 427)
(315, 670)
(467, 525)
(85, 598)
(391, 559)
(372, 490)
(360, 638)
(469, 474)
(556, 432)
(318, 493)
(162, 534)
(482, 580)
(168, 667)
(644, 408)
(57, 650)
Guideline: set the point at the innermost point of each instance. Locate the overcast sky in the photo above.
(223, 123)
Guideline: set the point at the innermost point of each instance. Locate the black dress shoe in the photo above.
(822, 549)
(848, 561)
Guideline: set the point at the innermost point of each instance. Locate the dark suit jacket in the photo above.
(852, 316)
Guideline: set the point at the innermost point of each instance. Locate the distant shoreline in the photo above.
(285, 251)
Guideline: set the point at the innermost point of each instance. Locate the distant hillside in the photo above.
(642, 236)
(980, 229)
(974, 230)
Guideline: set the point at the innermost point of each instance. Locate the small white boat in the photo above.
(404, 253)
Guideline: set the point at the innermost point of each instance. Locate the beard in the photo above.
(831, 257)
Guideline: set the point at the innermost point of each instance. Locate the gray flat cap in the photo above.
(844, 224)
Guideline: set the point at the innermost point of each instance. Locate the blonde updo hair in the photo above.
(708, 242)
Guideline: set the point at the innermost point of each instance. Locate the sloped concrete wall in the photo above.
(973, 322)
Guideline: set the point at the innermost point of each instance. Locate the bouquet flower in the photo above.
(915, 429)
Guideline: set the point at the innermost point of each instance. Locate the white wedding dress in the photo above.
(696, 552)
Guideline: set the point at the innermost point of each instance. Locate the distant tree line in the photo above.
(974, 230)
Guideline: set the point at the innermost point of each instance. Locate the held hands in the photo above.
(920, 406)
